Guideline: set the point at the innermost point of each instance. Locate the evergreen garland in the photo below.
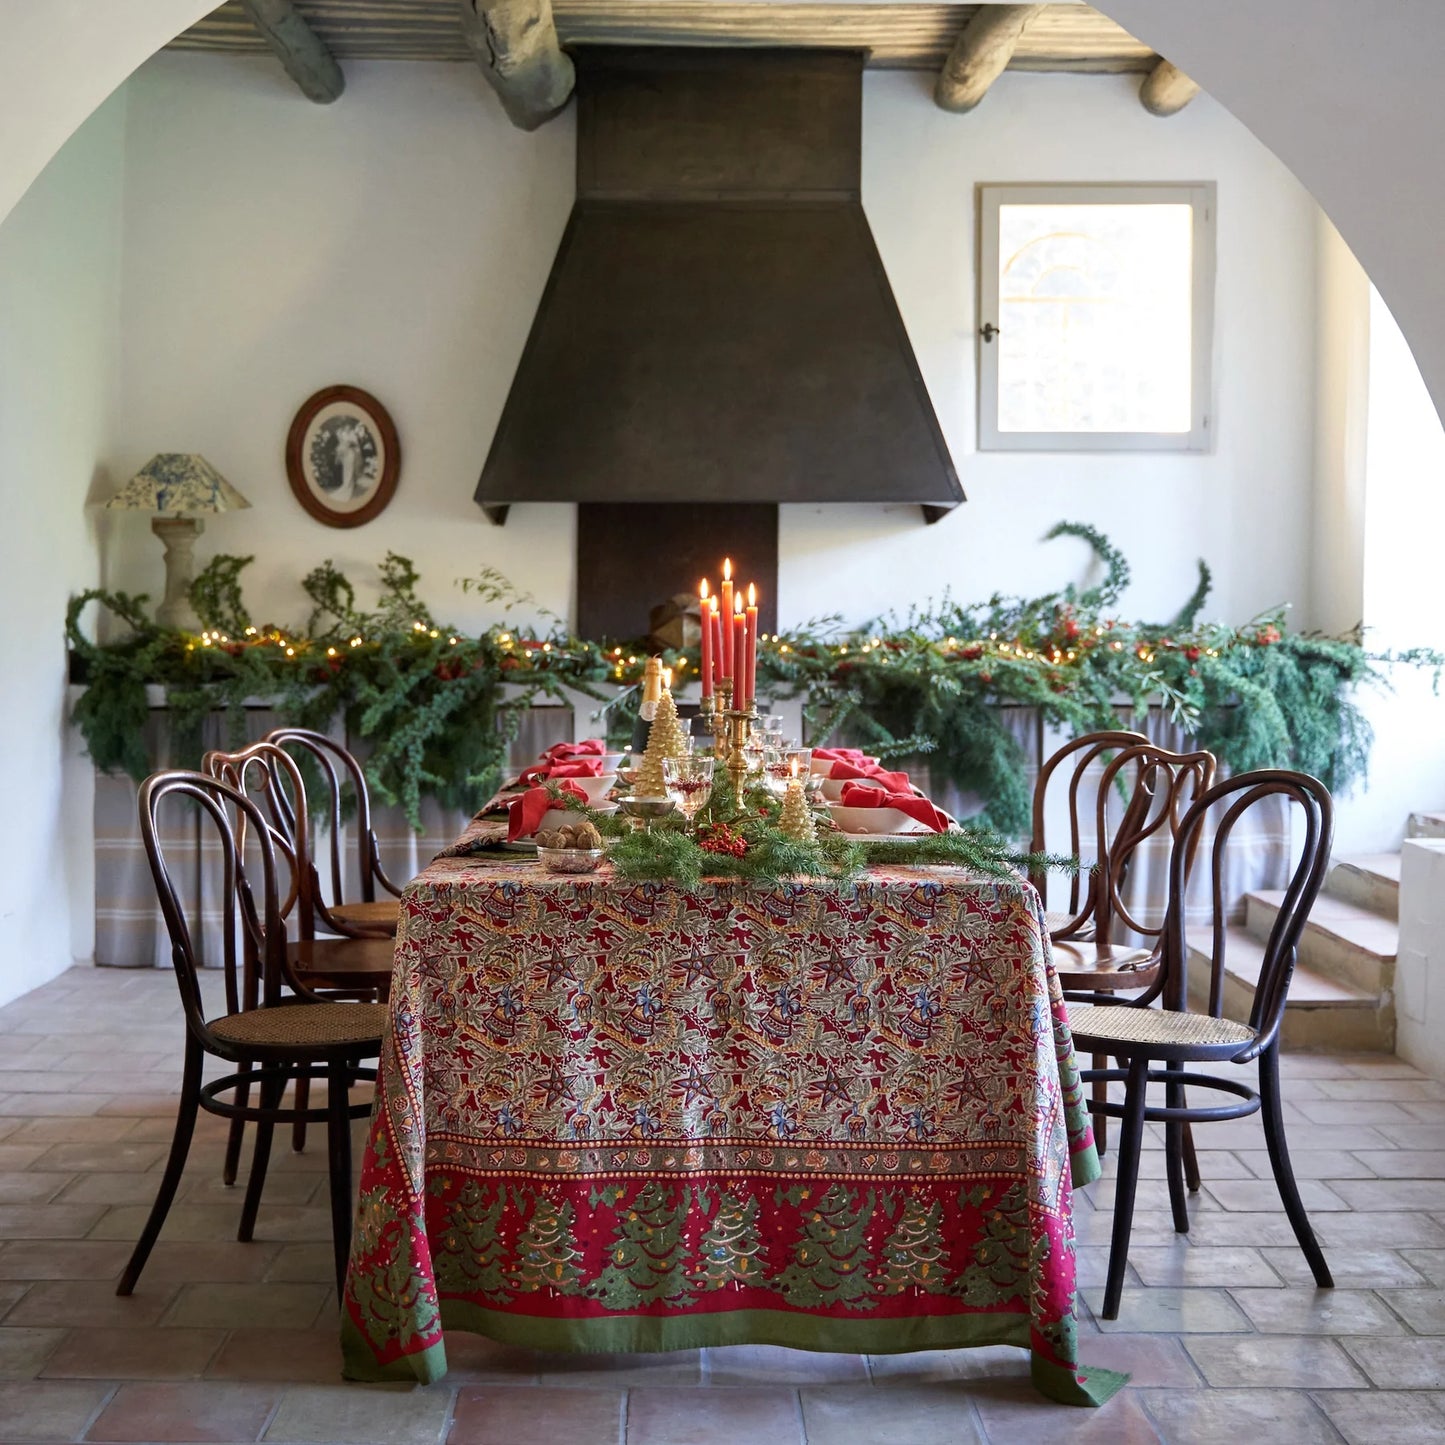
(430, 701)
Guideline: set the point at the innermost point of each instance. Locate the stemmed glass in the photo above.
(689, 782)
(785, 764)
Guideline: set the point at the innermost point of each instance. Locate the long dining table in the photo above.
(615, 1116)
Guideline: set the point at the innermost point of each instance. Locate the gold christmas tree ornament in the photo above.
(665, 739)
(796, 819)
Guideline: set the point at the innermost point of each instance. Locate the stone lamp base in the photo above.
(178, 535)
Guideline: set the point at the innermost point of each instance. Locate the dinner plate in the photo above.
(876, 822)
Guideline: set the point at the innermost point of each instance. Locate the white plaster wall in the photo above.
(59, 278)
(400, 239)
(1420, 964)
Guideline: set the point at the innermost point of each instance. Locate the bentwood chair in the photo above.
(262, 1030)
(1136, 791)
(1175, 1036)
(335, 967)
(344, 782)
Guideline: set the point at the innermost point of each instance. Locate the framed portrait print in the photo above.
(342, 457)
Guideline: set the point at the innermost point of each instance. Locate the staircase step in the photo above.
(1372, 880)
(1426, 825)
(1341, 940)
(1320, 1012)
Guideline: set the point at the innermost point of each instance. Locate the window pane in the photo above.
(1094, 318)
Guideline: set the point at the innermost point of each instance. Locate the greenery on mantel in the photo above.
(429, 700)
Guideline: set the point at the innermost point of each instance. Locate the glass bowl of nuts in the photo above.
(572, 848)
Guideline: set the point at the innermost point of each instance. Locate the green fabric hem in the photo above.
(1084, 1167)
(648, 1333)
(1084, 1385)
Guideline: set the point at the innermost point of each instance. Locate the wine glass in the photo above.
(688, 781)
(785, 764)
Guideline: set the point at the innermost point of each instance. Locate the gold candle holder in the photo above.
(739, 723)
(722, 700)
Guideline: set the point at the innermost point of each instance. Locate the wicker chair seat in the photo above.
(383, 914)
(1103, 1025)
(304, 1026)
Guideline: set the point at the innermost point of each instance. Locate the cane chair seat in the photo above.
(304, 1026)
(384, 914)
(342, 963)
(1155, 1027)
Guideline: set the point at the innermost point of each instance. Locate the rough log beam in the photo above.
(1167, 90)
(981, 54)
(515, 43)
(307, 60)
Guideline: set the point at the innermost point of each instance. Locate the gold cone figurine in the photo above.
(665, 739)
(796, 819)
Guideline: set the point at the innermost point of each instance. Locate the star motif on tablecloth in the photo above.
(834, 1090)
(696, 967)
(838, 970)
(558, 968)
(694, 1085)
(557, 1085)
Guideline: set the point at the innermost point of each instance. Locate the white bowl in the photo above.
(821, 767)
(555, 818)
(595, 788)
(612, 761)
(887, 822)
(833, 787)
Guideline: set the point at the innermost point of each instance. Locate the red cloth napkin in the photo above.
(860, 795)
(524, 814)
(587, 748)
(844, 755)
(894, 782)
(567, 768)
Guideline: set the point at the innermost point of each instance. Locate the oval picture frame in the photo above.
(343, 456)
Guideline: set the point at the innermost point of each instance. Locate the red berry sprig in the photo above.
(720, 838)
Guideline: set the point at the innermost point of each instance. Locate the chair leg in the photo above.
(175, 1167)
(1131, 1139)
(1174, 1153)
(1101, 1096)
(273, 1085)
(237, 1130)
(303, 1102)
(1191, 1161)
(338, 1139)
(1283, 1173)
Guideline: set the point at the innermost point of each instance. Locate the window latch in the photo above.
(988, 331)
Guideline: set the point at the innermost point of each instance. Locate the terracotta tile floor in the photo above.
(1222, 1331)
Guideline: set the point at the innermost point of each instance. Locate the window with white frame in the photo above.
(1096, 315)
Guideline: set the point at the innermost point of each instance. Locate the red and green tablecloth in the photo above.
(625, 1116)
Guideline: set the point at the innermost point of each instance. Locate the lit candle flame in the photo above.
(702, 589)
(727, 569)
(667, 678)
(738, 604)
(752, 595)
(794, 763)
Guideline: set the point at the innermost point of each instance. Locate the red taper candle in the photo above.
(705, 623)
(750, 667)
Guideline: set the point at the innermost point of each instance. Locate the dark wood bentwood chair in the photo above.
(263, 1031)
(1135, 790)
(1175, 1036)
(350, 966)
(339, 772)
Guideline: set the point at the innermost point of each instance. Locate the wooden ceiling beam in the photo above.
(297, 46)
(981, 54)
(1167, 90)
(515, 43)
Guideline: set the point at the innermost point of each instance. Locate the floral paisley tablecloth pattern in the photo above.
(624, 1116)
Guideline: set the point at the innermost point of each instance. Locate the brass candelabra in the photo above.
(731, 728)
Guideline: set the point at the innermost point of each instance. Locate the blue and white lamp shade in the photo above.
(178, 484)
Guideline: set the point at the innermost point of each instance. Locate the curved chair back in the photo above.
(253, 932)
(1235, 796)
(1163, 784)
(339, 769)
(1082, 754)
(262, 770)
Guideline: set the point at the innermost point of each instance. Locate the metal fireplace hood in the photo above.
(718, 326)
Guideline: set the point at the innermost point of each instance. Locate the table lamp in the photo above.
(175, 487)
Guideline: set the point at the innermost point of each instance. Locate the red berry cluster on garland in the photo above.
(722, 839)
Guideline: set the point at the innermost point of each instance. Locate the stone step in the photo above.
(1425, 825)
(1371, 880)
(1320, 1012)
(1341, 940)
